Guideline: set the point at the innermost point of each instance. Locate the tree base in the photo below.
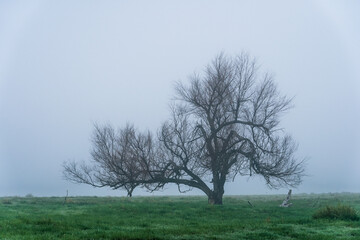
(215, 201)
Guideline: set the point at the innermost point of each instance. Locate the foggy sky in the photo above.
(65, 65)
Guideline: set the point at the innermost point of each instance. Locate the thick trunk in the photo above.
(215, 198)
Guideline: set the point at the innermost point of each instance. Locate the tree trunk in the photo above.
(215, 198)
(130, 191)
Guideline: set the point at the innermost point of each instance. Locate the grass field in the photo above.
(174, 218)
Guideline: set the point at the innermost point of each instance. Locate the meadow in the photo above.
(184, 217)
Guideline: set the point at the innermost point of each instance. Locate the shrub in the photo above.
(6, 201)
(29, 195)
(340, 212)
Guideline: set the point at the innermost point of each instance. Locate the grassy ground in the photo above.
(174, 218)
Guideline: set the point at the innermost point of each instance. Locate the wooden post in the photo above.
(286, 203)
(67, 193)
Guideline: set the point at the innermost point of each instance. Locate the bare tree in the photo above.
(225, 122)
(116, 157)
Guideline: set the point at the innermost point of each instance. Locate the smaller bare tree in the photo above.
(117, 159)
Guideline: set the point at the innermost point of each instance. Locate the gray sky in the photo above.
(67, 64)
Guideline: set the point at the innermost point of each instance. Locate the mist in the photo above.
(66, 65)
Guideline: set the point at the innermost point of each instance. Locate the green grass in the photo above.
(175, 218)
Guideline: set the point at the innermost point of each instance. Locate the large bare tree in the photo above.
(225, 122)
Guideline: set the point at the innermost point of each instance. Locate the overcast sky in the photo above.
(67, 64)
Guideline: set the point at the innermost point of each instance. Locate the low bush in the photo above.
(6, 201)
(340, 212)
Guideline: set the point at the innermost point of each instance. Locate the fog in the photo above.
(65, 65)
